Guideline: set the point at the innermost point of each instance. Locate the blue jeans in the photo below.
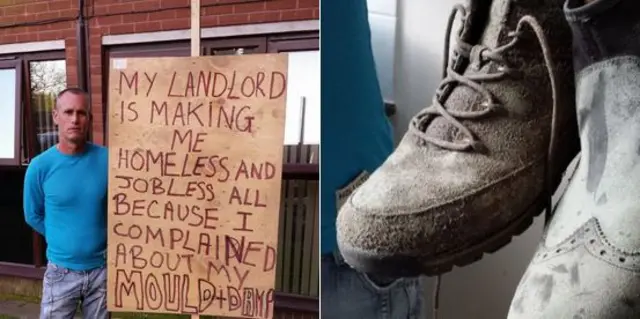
(63, 289)
(349, 294)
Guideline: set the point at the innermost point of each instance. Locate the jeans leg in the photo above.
(344, 295)
(404, 297)
(62, 290)
(95, 299)
(348, 294)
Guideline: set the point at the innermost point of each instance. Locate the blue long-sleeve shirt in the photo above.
(65, 200)
(356, 135)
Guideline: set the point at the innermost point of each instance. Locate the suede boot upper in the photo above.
(472, 165)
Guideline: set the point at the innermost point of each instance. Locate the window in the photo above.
(47, 78)
(298, 242)
(243, 45)
(303, 91)
(10, 146)
(29, 85)
(303, 99)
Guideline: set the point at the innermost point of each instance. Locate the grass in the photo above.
(7, 317)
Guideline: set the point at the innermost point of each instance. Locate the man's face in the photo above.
(72, 118)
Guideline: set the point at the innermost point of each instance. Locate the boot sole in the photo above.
(412, 266)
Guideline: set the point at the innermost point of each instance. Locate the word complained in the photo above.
(195, 173)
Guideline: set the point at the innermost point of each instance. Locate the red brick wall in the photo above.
(43, 20)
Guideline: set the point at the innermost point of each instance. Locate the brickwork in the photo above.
(40, 20)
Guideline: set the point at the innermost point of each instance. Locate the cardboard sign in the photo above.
(195, 155)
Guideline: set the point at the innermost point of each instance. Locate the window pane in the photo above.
(8, 111)
(238, 46)
(303, 87)
(229, 51)
(48, 78)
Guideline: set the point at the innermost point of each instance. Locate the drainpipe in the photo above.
(82, 44)
(81, 40)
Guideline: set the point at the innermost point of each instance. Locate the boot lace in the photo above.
(481, 54)
(478, 55)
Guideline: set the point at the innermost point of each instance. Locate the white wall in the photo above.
(383, 21)
(482, 290)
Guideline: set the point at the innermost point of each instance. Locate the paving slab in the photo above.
(21, 309)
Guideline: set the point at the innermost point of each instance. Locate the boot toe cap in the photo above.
(405, 218)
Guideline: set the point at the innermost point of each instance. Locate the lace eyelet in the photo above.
(488, 105)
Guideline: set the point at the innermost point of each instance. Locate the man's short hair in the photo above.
(75, 91)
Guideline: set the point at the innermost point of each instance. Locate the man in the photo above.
(65, 200)
(356, 138)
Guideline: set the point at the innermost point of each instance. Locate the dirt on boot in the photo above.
(473, 169)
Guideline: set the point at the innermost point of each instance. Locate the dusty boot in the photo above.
(470, 173)
(588, 264)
